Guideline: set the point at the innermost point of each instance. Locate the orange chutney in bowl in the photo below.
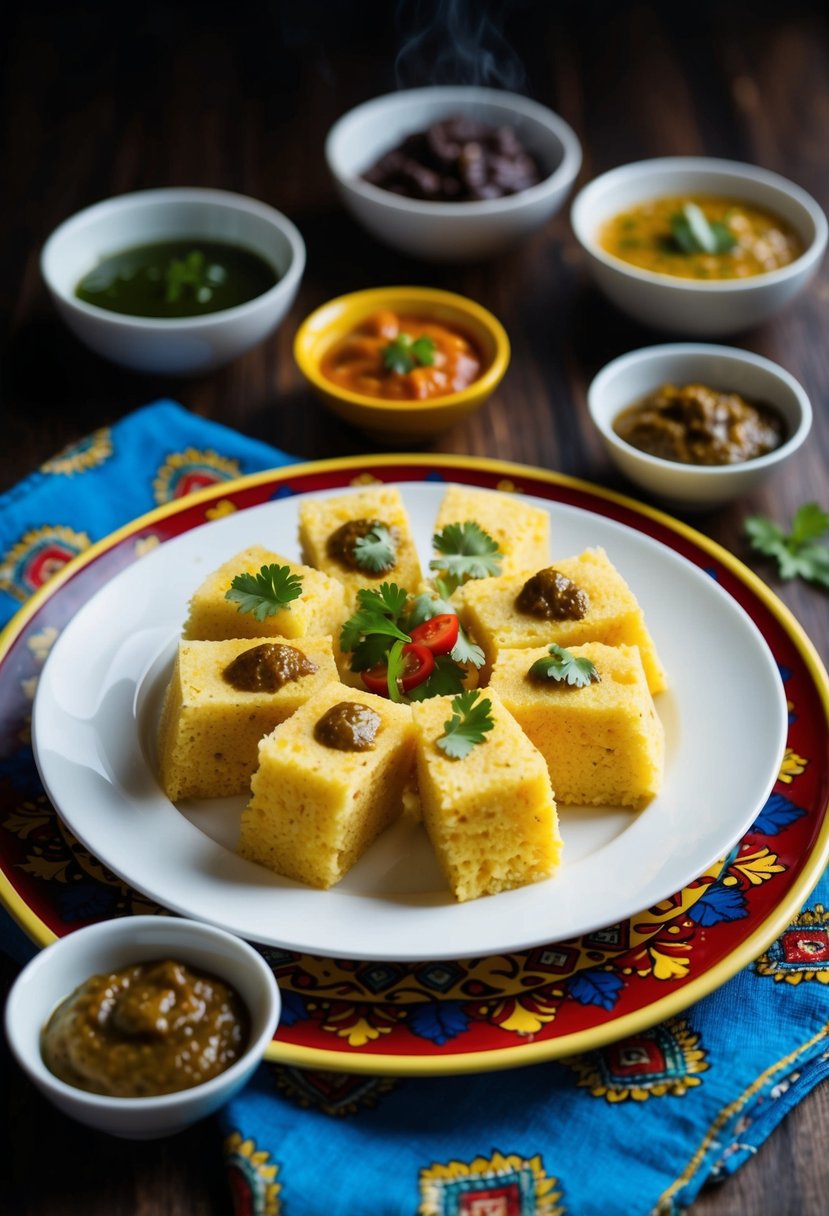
(403, 358)
(700, 237)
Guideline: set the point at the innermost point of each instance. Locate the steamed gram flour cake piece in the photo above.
(521, 530)
(604, 742)
(490, 816)
(320, 608)
(316, 803)
(611, 613)
(210, 727)
(329, 529)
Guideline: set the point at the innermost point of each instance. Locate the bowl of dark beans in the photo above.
(452, 174)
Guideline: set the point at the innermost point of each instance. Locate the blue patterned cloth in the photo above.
(636, 1127)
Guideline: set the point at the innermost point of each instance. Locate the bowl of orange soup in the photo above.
(697, 245)
(402, 363)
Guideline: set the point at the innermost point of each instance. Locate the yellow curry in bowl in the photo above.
(700, 237)
(403, 358)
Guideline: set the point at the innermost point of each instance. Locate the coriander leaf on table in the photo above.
(563, 667)
(266, 593)
(470, 721)
(799, 552)
(467, 552)
(376, 551)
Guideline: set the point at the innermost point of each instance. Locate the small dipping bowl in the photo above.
(61, 967)
(450, 231)
(398, 421)
(697, 308)
(695, 487)
(172, 345)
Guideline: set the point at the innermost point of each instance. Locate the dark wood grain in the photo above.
(240, 97)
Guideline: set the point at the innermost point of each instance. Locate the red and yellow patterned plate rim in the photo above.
(567, 997)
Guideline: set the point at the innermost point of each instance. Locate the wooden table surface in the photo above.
(240, 97)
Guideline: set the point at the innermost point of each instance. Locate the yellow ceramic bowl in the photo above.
(398, 421)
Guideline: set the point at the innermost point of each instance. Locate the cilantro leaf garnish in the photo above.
(470, 721)
(405, 354)
(799, 552)
(377, 615)
(446, 679)
(467, 552)
(692, 232)
(376, 551)
(266, 593)
(424, 607)
(564, 668)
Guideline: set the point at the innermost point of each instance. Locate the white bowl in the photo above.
(449, 232)
(54, 973)
(177, 345)
(696, 487)
(692, 307)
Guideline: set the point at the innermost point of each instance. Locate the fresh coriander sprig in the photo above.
(424, 607)
(693, 232)
(470, 721)
(446, 679)
(369, 632)
(799, 552)
(404, 354)
(266, 593)
(376, 551)
(563, 667)
(466, 552)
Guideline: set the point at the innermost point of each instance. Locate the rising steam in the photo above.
(455, 42)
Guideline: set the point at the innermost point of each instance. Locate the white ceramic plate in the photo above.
(96, 713)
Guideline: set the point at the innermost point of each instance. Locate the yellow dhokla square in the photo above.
(315, 809)
(487, 608)
(321, 518)
(319, 610)
(521, 530)
(491, 816)
(604, 742)
(209, 731)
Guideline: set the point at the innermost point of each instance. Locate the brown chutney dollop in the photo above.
(267, 667)
(341, 544)
(150, 1028)
(348, 727)
(552, 596)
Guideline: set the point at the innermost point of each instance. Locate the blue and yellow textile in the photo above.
(634, 1128)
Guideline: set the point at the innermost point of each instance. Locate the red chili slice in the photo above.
(418, 665)
(439, 633)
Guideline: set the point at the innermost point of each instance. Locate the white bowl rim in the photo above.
(252, 1055)
(715, 167)
(564, 173)
(738, 357)
(178, 194)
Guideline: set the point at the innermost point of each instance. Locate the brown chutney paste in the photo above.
(695, 424)
(348, 727)
(150, 1028)
(552, 596)
(341, 545)
(267, 667)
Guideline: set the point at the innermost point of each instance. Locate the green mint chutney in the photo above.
(182, 278)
